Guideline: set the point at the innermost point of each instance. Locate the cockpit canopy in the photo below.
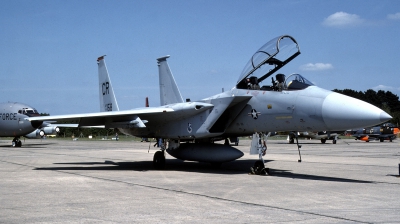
(269, 59)
(30, 112)
(296, 82)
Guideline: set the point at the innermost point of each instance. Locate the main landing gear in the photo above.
(16, 142)
(159, 160)
(323, 140)
(159, 157)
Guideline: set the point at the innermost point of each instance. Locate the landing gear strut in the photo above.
(297, 143)
(258, 146)
(159, 158)
(16, 142)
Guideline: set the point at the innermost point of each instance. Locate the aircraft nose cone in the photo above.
(342, 112)
(385, 116)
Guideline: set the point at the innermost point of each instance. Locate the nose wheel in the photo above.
(259, 146)
(16, 142)
(259, 168)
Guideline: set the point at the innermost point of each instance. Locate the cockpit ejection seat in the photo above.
(280, 78)
(254, 83)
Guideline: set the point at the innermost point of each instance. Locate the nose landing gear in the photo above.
(259, 146)
(16, 142)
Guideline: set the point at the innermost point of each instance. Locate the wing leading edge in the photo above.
(108, 119)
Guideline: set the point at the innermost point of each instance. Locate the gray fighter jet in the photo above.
(189, 129)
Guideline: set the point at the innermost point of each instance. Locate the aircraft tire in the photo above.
(381, 139)
(323, 141)
(226, 142)
(291, 141)
(258, 166)
(334, 141)
(159, 160)
(216, 165)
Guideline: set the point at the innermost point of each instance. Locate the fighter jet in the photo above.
(386, 131)
(13, 122)
(191, 128)
(321, 135)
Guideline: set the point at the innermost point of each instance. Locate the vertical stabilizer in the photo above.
(169, 92)
(106, 92)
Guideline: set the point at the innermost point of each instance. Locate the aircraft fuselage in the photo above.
(13, 121)
(241, 112)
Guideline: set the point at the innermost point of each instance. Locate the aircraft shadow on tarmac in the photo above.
(304, 143)
(230, 168)
(28, 145)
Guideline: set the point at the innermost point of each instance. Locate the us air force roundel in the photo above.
(189, 128)
(254, 114)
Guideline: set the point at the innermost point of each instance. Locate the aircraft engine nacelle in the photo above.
(51, 130)
(35, 134)
(212, 153)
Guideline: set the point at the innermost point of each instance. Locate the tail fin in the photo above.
(169, 92)
(106, 92)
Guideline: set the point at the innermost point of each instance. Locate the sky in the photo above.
(49, 47)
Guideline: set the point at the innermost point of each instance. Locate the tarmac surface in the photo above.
(65, 181)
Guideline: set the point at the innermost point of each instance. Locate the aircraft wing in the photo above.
(109, 119)
(77, 125)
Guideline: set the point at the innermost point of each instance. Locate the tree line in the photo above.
(86, 132)
(385, 100)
